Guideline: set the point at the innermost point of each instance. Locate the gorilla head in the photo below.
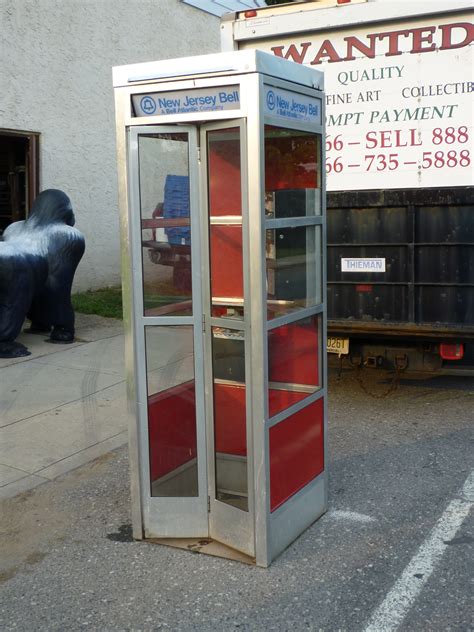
(38, 259)
(52, 206)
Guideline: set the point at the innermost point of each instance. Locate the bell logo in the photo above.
(148, 105)
(271, 100)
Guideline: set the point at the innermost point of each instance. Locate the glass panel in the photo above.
(225, 201)
(227, 282)
(171, 411)
(296, 452)
(230, 431)
(294, 269)
(223, 147)
(292, 173)
(165, 222)
(293, 363)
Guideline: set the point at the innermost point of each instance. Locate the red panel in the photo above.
(229, 419)
(279, 400)
(225, 199)
(226, 261)
(293, 353)
(224, 175)
(296, 453)
(172, 429)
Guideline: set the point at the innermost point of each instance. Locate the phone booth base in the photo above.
(206, 546)
(222, 202)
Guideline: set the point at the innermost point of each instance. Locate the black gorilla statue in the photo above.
(38, 259)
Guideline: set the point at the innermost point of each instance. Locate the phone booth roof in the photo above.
(217, 65)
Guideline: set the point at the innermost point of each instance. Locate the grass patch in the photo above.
(106, 302)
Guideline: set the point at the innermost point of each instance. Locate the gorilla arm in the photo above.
(52, 305)
(19, 274)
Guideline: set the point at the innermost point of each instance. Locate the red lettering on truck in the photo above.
(422, 39)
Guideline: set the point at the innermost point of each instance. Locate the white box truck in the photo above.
(400, 169)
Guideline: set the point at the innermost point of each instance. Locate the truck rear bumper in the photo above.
(407, 331)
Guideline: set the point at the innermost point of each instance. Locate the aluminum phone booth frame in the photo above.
(222, 212)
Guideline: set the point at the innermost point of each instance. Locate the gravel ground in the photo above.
(68, 561)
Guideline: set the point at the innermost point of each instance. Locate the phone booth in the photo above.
(221, 184)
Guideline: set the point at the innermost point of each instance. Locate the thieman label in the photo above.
(291, 106)
(362, 265)
(187, 101)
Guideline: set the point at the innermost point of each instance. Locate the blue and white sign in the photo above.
(362, 265)
(291, 106)
(187, 101)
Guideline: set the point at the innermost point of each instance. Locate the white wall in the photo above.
(56, 58)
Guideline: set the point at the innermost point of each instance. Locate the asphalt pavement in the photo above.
(393, 552)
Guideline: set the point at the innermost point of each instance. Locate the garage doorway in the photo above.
(19, 175)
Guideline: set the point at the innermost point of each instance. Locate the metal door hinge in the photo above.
(208, 504)
(199, 154)
(203, 323)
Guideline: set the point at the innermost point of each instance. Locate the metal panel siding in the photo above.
(368, 225)
(444, 264)
(427, 240)
(445, 304)
(445, 224)
(383, 303)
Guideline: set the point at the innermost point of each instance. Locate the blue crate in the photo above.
(176, 204)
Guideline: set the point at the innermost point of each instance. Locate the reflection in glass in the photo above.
(230, 432)
(292, 173)
(165, 223)
(225, 213)
(227, 282)
(223, 148)
(294, 269)
(293, 363)
(171, 411)
(292, 203)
